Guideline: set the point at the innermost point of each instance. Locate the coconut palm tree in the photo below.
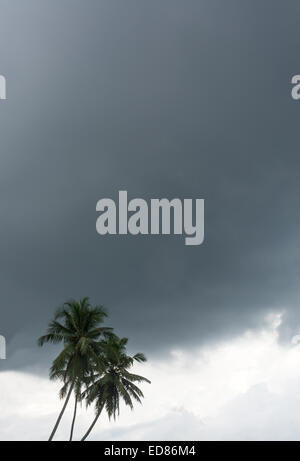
(117, 383)
(77, 325)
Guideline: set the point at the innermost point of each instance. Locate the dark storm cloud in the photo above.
(163, 99)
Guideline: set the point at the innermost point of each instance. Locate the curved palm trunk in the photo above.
(74, 417)
(61, 413)
(91, 426)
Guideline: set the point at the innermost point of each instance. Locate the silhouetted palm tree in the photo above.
(107, 389)
(77, 326)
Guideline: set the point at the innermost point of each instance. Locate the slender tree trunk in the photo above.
(74, 417)
(91, 426)
(61, 413)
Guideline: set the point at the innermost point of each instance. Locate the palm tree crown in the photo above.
(117, 383)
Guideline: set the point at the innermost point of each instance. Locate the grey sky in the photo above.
(163, 99)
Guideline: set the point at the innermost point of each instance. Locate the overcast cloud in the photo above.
(162, 99)
(243, 389)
